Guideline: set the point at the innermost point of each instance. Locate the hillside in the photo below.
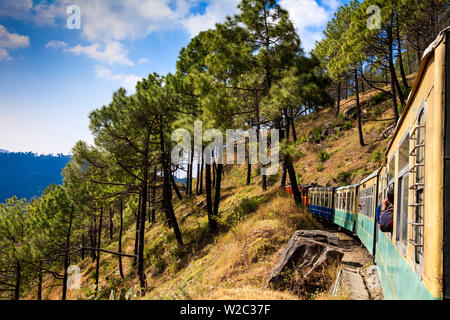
(254, 226)
(26, 175)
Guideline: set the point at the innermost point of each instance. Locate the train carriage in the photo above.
(321, 202)
(414, 260)
(366, 212)
(345, 207)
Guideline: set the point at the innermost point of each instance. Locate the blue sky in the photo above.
(51, 77)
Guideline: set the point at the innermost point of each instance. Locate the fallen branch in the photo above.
(111, 252)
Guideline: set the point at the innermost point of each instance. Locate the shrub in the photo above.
(377, 156)
(320, 167)
(317, 134)
(245, 207)
(344, 177)
(347, 125)
(378, 98)
(323, 156)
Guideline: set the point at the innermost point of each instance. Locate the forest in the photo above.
(248, 72)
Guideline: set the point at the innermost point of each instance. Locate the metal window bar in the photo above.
(417, 187)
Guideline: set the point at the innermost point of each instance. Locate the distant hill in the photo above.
(26, 175)
(3, 151)
(180, 180)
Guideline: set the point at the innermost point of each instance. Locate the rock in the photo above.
(350, 112)
(187, 214)
(199, 203)
(372, 279)
(388, 131)
(305, 262)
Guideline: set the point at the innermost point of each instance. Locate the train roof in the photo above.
(347, 187)
(372, 175)
(423, 63)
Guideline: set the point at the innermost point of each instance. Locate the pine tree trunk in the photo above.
(111, 226)
(338, 99)
(191, 175)
(293, 180)
(201, 176)
(97, 264)
(167, 203)
(175, 187)
(136, 240)
(82, 246)
(120, 238)
(400, 57)
(18, 279)
(214, 174)
(39, 290)
(67, 257)
(294, 134)
(153, 197)
(198, 176)
(249, 172)
(358, 110)
(211, 221)
(218, 185)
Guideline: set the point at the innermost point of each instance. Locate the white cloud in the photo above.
(143, 60)
(127, 81)
(43, 13)
(215, 12)
(56, 44)
(309, 17)
(112, 53)
(10, 40)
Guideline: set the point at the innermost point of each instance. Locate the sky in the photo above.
(53, 74)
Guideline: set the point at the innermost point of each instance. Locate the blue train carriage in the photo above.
(414, 260)
(366, 211)
(321, 202)
(345, 207)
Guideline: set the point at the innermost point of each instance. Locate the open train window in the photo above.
(403, 195)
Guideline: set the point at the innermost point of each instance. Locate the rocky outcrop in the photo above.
(306, 262)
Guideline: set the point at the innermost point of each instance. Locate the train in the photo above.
(413, 260)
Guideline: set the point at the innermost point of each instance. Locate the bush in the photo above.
(378, 98)
(317, 134)
(377, 156)
(320, 167)
(344, 177)
(347, 125)
(323, 156)
(245, 207)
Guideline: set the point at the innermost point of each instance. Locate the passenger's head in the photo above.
(390, 196)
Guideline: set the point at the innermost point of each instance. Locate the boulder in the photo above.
(306, 261)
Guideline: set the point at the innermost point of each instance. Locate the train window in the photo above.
(402, 211)
(403, 155)
(326, 200)
(391, 172)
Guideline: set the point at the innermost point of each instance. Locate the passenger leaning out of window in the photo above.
(386, 219)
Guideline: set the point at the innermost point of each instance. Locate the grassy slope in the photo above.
(236, 263)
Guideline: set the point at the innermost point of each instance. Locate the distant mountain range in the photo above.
(26, 175)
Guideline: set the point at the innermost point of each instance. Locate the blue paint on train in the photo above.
(323, 212)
